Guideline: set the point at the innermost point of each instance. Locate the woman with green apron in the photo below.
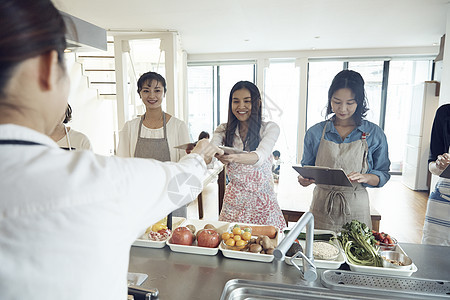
(154, 134)
(346, 140)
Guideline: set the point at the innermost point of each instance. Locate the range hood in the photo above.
(83, 36)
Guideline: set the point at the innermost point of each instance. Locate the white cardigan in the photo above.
(269, 133)
(177, 134)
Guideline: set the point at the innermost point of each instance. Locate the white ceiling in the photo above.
(212, 26)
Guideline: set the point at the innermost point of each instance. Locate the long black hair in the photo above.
(348, 79)
(28, 28)
(253, 138)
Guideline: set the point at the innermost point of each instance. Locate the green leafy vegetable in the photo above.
(359, 244)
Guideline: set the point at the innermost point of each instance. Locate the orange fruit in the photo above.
(230, 242)
(247, 236)
(237, 238)
(225, 236)
(241, 243)
(236, 230)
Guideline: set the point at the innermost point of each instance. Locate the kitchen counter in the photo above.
(191, 276)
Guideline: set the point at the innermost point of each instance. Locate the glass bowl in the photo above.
(396, 260)
(330, 252)
(388, 247)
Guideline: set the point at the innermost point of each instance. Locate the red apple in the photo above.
(208, 238)
(182, 236)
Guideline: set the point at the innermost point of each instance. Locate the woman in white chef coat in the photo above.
(67, 138)
(68, 218)
(156, 133)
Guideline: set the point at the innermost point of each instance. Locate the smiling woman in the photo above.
(346, 140)
(249, 197)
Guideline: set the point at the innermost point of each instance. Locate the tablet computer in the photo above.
(323, 175)
(230, 150)
(446, 172)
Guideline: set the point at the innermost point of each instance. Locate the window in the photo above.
(403, 75)
(209, 87)
(281, 98)
(200, 99)
(320, 75)
(372, 73)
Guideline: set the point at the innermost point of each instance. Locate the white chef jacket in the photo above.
(269, 133)
(177, 134)
(68, 218)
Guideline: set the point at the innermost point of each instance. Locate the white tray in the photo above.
(142, 242)
(249, 255)
(320, 263)
(382, 270)
(221, 227)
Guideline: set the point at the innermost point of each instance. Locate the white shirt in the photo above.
(78, 140)
(177, 134)
(269, 133)
(67, 219)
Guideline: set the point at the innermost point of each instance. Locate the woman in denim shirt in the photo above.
(346, 140)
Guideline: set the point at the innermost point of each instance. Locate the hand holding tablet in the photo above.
(324, 175)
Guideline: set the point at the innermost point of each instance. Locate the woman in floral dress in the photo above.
(249, 196)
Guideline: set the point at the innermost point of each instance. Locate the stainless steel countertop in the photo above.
(191, 276)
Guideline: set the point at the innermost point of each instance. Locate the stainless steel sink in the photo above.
(237, 289)
(342, 285)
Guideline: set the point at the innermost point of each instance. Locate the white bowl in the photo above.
(396, 260)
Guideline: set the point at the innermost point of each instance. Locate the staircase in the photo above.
(99, 67)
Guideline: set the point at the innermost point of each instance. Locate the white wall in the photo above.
(445, 75)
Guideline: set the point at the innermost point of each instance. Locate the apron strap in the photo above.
(164, 125)
(339, 197)
(324, 129)
(140, 125)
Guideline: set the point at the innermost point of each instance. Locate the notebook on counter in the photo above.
(324, 175)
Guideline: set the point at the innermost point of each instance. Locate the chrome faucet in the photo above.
(309, 272)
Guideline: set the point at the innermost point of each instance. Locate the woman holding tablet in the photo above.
(249, 197)
(345, 140)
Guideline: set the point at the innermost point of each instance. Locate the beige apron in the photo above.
(157, 148)
(152, 148)
(333, 206)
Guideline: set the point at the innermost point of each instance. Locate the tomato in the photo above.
(208, 238)
(182, 236)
